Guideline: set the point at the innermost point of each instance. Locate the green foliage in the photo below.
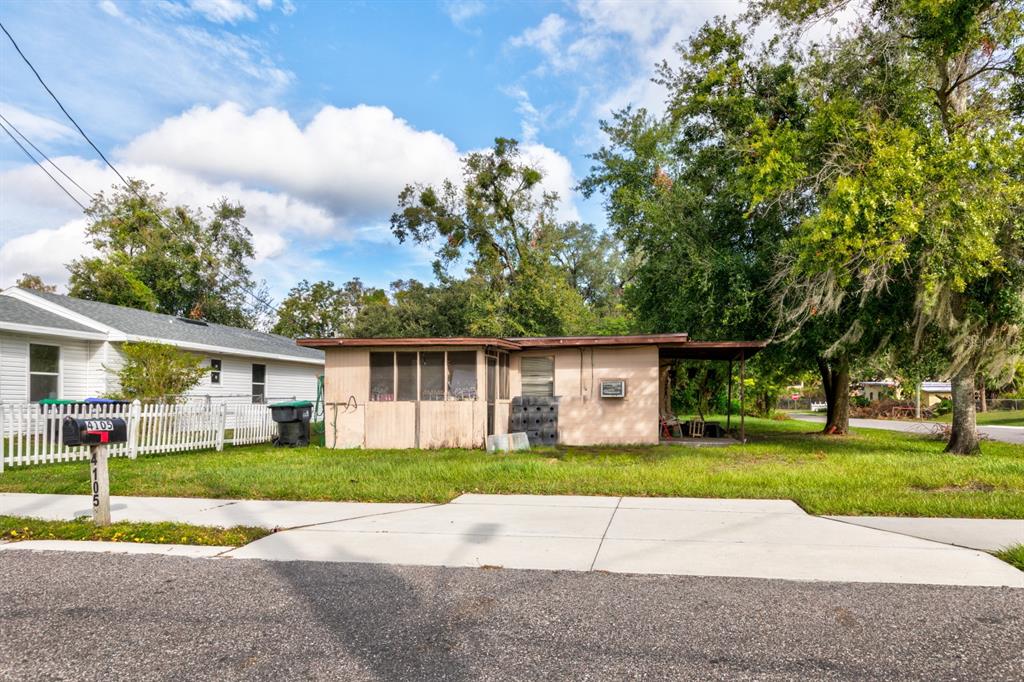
(1013, 555)
(35, 283)
(944, 406)
(167, 259)
(323, 310)
(158, 371)
(417, 309)
(528, 275)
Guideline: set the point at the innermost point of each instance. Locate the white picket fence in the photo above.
(31, 434)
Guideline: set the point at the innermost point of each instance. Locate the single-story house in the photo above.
(54, 346)
(453, 392)
(878, 389)
(934, 392)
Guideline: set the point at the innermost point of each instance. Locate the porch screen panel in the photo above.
(432, 376)
(538, 376)
(382, 376)
(503, 376)
(406, 376)
(462, 375)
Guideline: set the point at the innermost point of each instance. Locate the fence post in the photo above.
(222, 424)
(134, 420)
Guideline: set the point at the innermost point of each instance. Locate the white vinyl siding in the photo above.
(14, 366)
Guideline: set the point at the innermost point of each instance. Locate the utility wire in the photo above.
(59, 104)
(43, 154)
(256, 298)
(42, 167)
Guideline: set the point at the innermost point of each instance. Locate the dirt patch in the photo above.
(969, 487)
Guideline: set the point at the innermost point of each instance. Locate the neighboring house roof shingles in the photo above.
(142, 323)
(18, 312)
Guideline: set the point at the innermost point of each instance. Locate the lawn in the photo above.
(872, 472)
(16, 528)
(998, 417)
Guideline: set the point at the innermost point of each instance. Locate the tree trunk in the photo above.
(963, 438)
(835, 380)
(984, 397)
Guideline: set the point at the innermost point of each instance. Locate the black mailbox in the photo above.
(94, 431)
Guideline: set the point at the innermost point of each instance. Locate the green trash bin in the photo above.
(292, 419)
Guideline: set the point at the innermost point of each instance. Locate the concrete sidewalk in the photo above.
(678, 536)
(1005, 434)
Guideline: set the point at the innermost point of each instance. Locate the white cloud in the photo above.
(43, 253)
(461, 11)
(36, 128)
(223, 11)
(334, 181)
(354, 161)
(110, 8)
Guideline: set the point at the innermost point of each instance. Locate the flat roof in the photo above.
(676, 346)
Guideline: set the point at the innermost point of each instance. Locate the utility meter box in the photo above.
(613, 388)
(94, 431)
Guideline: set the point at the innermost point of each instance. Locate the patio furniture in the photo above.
(696, 428)
(670, 426)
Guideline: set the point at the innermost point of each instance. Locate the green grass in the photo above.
(995, 418)
(872, 472)
(1013, 556)
(15, 528)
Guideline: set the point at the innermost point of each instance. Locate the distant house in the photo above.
(877, 390)
(54, 346)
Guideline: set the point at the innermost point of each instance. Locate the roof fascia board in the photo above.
(51, 331)
(57, 309)
(223, 350)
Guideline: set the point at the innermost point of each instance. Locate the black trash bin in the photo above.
(292, 422)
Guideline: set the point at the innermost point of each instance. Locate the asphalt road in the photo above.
(1006, 434)
(112, 617)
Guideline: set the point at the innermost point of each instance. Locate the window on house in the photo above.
(214, 371)
(406, 363)
(43, 372)
(462, 375)
(503, 376)
(382, 376)
(432, 376)
(259, 383)
(538, 375)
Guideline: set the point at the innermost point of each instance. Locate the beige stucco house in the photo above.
(453, 392)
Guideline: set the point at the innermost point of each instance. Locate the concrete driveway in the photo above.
(1005, 434)
(674, 536)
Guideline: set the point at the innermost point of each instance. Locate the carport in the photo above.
(730, 352)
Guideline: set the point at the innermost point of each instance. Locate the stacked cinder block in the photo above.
(537, 416)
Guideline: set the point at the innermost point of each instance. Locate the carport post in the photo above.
(743, 375)
(728, 404)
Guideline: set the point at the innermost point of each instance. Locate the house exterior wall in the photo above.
(74, 366)
(584, 419)
(88, 369)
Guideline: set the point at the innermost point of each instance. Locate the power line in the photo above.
(42, 167)
(43, 154)
(59, 104)
(95, 148)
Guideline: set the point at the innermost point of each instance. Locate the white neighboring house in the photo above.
(54, 346)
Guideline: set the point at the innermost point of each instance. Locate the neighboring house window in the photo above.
(538, 376)
(382, 376)
(214, 371)
(462, 375)
(43, 372)
(259, 383)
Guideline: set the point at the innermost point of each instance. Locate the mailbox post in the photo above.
(97, 433)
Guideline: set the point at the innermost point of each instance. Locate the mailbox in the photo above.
(94, 431)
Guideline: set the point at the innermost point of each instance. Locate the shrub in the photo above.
(157, 371)
(945, 406)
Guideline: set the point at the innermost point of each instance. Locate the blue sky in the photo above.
(312, 114)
